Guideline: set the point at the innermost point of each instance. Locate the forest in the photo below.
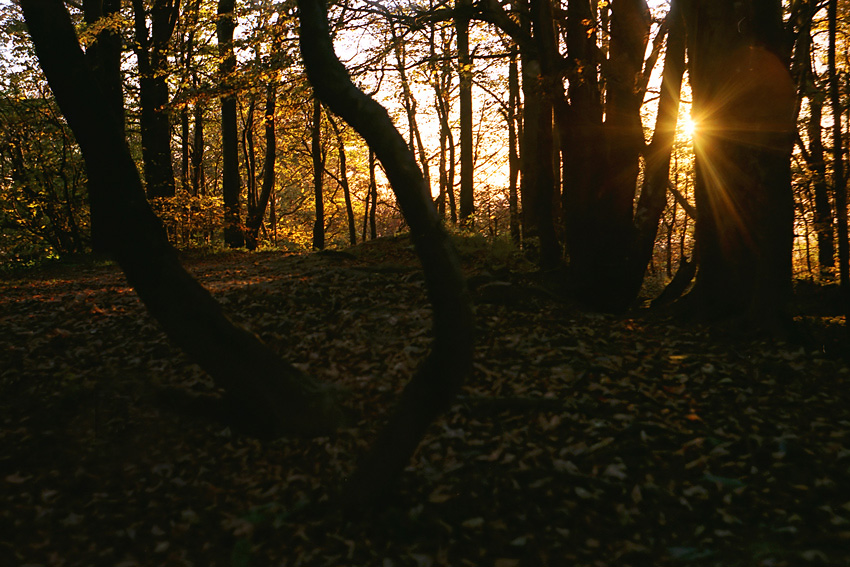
(494, 283)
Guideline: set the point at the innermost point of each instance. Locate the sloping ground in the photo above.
(581, 440)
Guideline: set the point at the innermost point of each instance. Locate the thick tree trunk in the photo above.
(255, 217)
(744, 101)
(155, 121)
(275, 396)
(601, 228)
(318, 175)
(231, 184)
(439, 377)
(104, 58)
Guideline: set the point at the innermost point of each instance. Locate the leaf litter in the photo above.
(580, 439)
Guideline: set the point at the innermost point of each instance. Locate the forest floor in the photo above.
(580, 439)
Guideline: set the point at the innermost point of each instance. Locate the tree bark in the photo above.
(464, 61)
(744, 101)
(104, 58)
(255, 217)
(600, 198)
(343, 181)
(275, 396)
(318, 175)
(839, 185)
(653, 197)
(155, 121)
(440, 375)
(513, 155)
(231, 184)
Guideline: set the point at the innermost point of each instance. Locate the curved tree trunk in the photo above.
(442, 372)
(274, 395)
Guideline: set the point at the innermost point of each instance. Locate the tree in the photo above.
(744, 104)
(318, 156)
(838, 178)
(464, 63)
(150, 47)
(450, 360)
(255, 214)
(231, 185)
(343, 182)
(273, 396)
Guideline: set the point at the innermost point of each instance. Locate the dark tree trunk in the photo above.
(817, 165)
(104, 57)
(464, 60)
(601, 227)
(231, 184)
(409, 100)
(198, 150)
(744, 101)
(274, 395)
(343, 181)
(838, 177)
(538, 184)
(104, 54)
(318, 175)
(154, 116)
(513, 155)
(249, 154)
(440, 375)
(255, 217)
(804, 73)
(653, 197)
(371, 200)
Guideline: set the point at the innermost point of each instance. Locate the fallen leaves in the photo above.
(579, 440)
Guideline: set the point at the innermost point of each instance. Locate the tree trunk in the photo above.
(154, 115)
(817, 165)
(744, 101)
(249, 154)
(255, 218)
(274, 395)
(538, 185)
(198, 187)
(513, 155)
(231, 184)
(318, 175)
(104, 58)
(440, 375)
(416, 145)
(343, 181)
(464, 61)
(653, 197)
(601, 230)
(839, 185)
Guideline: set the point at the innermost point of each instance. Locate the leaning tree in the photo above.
(278, 397)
